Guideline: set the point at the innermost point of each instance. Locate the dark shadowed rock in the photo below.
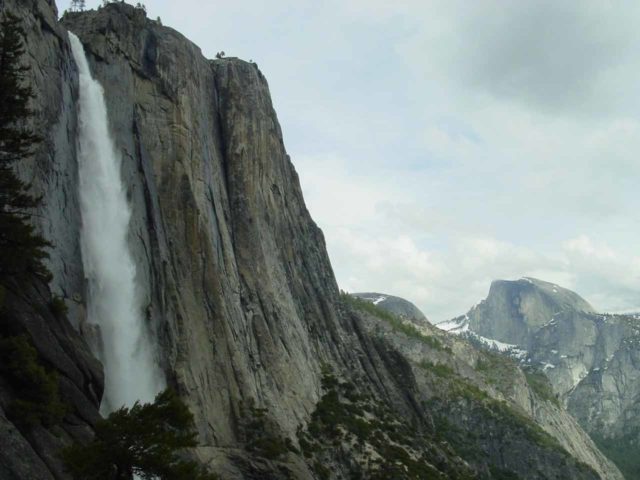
(33, 453)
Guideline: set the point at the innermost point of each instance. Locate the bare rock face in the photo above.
(236, 276)
(237, 283)
(32, 452)
(591, 359)
(515, 309)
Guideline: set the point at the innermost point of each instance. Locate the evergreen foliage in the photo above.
(394, 321)
(622, 450)
(78, 5)
(381, 444)
(37, 399)
(22, 250)
(498, 369)
(145, 440)
(259, 436)
(540, 384)
(440, 369)
(15, 140)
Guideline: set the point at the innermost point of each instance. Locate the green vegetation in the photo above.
(22, 250)
(259, 438)
(37, 400)
(498, 370)
(440, 369)
(485, 419)
(502, 474)
(396, 323)
(33, 385)
(541, 386)
(58, 307)
(146, 440)
(517, 421)
(478, 403)
(382, 444)
(623, 451)
(499, 420)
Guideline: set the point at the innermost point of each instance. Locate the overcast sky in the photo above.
(444, 144)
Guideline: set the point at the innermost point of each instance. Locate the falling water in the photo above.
(131, 372)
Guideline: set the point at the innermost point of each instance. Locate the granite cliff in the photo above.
(591, 359)
(286, 377)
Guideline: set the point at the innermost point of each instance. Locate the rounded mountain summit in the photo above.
(396, 305)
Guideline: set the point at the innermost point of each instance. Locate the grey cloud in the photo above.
(554, 56)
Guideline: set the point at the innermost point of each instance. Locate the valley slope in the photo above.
(591, 359)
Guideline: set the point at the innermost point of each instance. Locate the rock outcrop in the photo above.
(237, 283)
(591, 359)
(514, 310)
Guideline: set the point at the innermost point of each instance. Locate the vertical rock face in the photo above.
(235, 274)
(53, 170)
(594, 364)
(515, 309)
(237, 284)
(33, 452)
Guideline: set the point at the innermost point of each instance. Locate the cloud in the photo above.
(610, 277)
(379, 241)
(552, 56)
(445, 283)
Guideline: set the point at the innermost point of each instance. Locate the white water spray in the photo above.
(131, 372)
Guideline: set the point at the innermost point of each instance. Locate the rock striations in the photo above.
(26, 308)
(286, 377)
(514, 310)
(591, 359)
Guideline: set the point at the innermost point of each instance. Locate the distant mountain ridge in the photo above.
(591, 359)
(396, 305)
(513, 310)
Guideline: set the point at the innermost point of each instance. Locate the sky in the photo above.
(445, 144)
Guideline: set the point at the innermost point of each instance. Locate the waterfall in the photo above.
(126, 351)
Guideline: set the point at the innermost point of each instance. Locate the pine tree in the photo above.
(21, 248)
(78, 5)
(145, 440)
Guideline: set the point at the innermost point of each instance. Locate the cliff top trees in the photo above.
(78, 5)
(21, 248)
